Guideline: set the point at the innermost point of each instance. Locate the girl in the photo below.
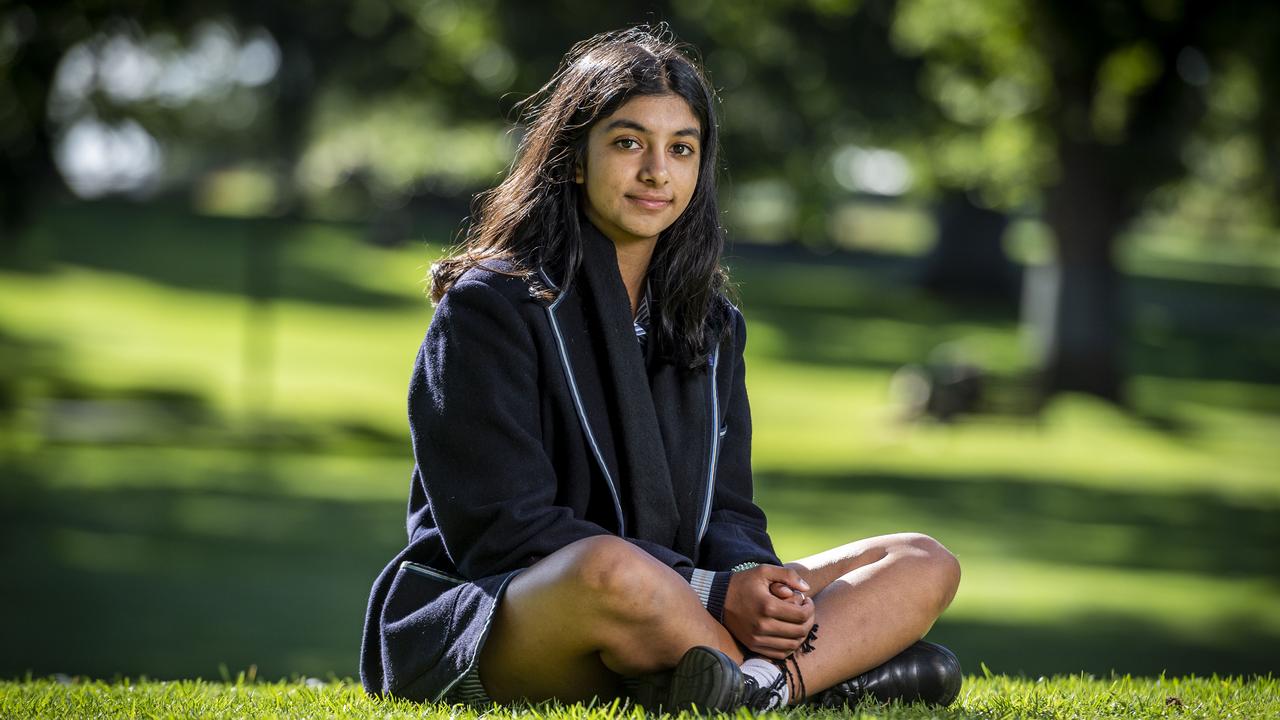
(581, 522)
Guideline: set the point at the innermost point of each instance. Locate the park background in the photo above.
(1011, 271)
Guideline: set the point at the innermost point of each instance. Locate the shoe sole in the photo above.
(705, 679)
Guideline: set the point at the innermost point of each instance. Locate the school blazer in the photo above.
(517, 455)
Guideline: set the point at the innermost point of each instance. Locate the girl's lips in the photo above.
(649, 203)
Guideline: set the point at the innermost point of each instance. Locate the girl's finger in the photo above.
(789, 612)
(781, 647)
(781, 630)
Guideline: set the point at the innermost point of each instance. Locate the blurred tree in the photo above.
(1082, 109)
(809, 84)
(1105, 97)
(801, 80)
(1260, 49)
(29, 51)
(968, 258)
(190, 75)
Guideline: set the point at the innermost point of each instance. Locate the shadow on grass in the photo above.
(863, 310)
(253, 257)
(842, 309)
(1100, 644)
(176, 583)
(108, 576)
(34, 379)
(1042, 520)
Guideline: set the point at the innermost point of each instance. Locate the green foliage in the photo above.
(402, 145)
(988, 76)
(983, 698)
(1124, 73)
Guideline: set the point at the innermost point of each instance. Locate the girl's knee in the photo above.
(617, 577)
(939, 565)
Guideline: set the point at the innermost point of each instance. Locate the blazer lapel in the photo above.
(575, 344)
(683, 400)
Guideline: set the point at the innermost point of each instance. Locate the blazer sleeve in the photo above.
(474, 420)
(736, 531)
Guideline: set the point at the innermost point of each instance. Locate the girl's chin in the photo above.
(642, 233)
(631, 228)
(650, 224)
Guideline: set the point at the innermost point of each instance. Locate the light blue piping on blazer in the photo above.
(715, 443)
(577, 402)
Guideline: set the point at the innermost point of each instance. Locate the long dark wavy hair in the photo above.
(531, 219)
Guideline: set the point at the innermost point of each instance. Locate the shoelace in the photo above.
(763, 698)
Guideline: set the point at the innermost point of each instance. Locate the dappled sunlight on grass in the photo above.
(252, 540)
(283, 475)
(118, 331)
(825, 420)
(235, 477)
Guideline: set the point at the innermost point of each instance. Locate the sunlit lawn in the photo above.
(1058, 698)
(150, 541)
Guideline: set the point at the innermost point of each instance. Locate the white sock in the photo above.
(766, 674)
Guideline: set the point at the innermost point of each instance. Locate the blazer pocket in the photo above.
(418, 623)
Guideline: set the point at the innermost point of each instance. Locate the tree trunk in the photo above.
(26, 149)
(1082, 316)
(968, 258)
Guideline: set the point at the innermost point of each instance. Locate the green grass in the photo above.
(223, 482)
(983, 698)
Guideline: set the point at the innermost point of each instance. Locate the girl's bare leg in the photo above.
(873, 598)
(576, 621)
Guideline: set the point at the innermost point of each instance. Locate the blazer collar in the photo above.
(647, 426)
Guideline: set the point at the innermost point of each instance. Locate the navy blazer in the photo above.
(516, 457)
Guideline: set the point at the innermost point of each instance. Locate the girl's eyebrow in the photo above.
(633, 125)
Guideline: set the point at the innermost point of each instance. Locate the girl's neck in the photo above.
(633, 265)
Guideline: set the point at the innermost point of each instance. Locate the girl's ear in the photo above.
(580, 163)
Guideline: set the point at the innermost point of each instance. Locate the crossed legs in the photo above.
(598, 609)
(576, 621)
(873, 598)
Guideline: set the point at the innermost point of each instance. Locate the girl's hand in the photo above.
(767, 609)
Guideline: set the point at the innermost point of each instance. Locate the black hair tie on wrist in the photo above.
(806, 647)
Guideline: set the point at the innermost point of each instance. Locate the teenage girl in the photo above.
(581, 522)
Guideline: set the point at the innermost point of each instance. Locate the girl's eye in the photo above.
(682, 149)
(627, 143)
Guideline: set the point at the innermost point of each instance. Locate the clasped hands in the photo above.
(768, 610)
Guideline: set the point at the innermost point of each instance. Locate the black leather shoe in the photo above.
(925, 672)
(705, 678)
(708, 680)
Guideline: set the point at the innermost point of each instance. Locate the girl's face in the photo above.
(641, 167)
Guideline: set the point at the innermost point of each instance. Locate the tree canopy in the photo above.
(1087, 114)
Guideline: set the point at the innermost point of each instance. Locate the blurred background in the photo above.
(1011, 271)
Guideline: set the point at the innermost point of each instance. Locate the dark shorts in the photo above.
(469, 690)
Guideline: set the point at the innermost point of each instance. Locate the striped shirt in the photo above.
(641, 319)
